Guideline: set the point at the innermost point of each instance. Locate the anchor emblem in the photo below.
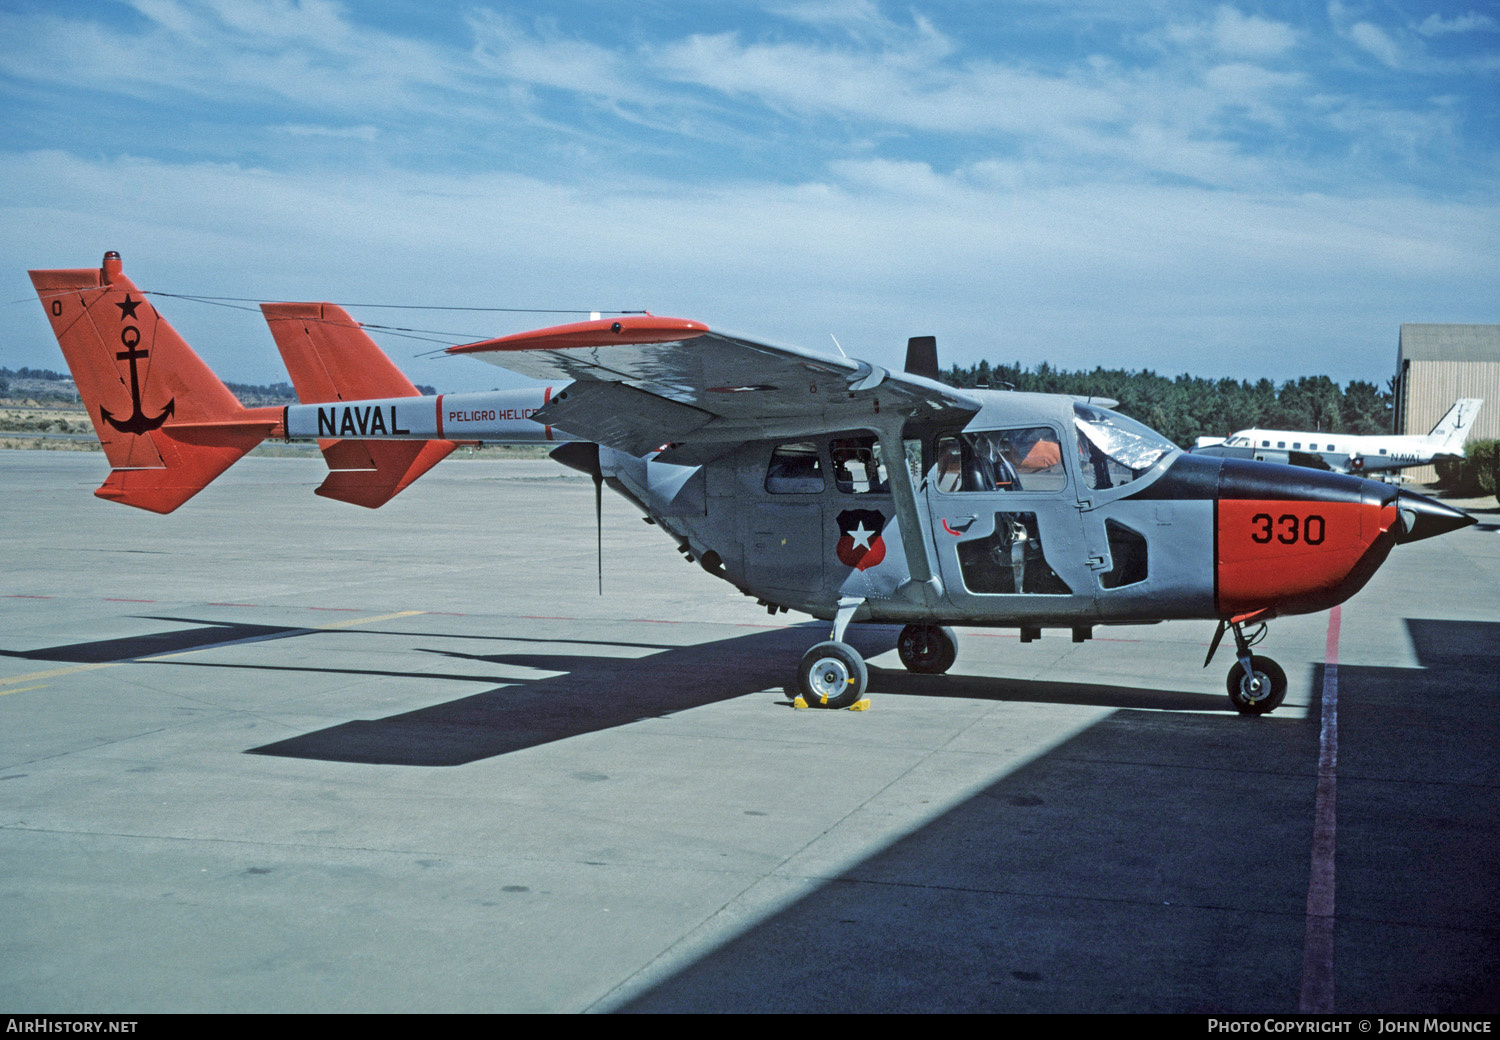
(138, 422)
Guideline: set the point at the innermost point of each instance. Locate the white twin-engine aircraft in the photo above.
(1347, 453)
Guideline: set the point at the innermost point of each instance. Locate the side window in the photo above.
(1028, 459)
(1036, 456)
(857, 466)
(795, 469)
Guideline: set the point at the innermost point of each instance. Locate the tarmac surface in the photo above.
(276, 753)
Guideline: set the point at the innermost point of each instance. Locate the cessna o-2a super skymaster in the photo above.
(812, 482)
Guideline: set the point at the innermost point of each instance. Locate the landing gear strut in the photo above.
(1256, 684)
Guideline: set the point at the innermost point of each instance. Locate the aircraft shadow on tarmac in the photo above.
(1159, 862)
(203, 634)
(594, 692)
(598, 693)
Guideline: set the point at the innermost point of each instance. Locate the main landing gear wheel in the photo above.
(1264, 694)
(927, 649)
(832, 675)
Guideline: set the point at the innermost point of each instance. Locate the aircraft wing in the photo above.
(642, 382)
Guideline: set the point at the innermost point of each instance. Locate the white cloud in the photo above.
(552, 60)
(1375, 41)
(358, 133)
(1091, 273)
(908, 87)
(1235, 34)
(1437, 25)
(1249, 35)
(234, 49)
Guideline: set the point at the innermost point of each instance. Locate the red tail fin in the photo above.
(330, 358)
(167, 425)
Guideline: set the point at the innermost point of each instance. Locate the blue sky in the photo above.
(1240, 189)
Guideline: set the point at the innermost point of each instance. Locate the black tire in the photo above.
(1257, 702)
(927, 649)
(832, 675)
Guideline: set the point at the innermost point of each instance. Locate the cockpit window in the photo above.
(1114, 450)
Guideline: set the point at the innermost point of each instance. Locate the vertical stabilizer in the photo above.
(167, 424)
(1453, 429)
(330, 358)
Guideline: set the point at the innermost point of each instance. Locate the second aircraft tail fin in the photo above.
(330, 358)
(1454, 427)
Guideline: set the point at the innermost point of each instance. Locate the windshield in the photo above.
(1114, 449)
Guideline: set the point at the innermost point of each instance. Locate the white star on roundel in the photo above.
(861, 536)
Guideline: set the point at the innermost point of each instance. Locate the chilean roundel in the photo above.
(860, 545)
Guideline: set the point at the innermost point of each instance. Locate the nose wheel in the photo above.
(1260, 690)
(1256, 684)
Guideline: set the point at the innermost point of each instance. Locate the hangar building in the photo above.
(1438, 364)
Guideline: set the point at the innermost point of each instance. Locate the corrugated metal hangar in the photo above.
(1438, 364)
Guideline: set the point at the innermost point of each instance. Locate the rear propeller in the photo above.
(584, 457)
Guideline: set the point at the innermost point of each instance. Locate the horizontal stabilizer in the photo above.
(393, 467)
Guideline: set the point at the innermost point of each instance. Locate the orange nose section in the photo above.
(1280, 553)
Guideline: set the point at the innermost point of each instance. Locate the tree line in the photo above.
(1187, 407)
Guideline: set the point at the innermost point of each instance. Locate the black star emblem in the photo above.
(127, 309)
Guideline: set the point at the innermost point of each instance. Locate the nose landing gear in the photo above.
(1256, 684)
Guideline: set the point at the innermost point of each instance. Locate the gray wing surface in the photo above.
(640, 384)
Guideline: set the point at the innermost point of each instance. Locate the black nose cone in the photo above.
(1421, 517)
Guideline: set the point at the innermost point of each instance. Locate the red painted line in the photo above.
(1317, 943)
(446, 613)
(654, 621)
(234, 604)
(1059, 631)
(544, 617)
(440, 416)
(113, 599)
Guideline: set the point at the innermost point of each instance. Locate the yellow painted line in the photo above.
(372, 620)
(11, 680)
(54, 673)
(23, 689)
